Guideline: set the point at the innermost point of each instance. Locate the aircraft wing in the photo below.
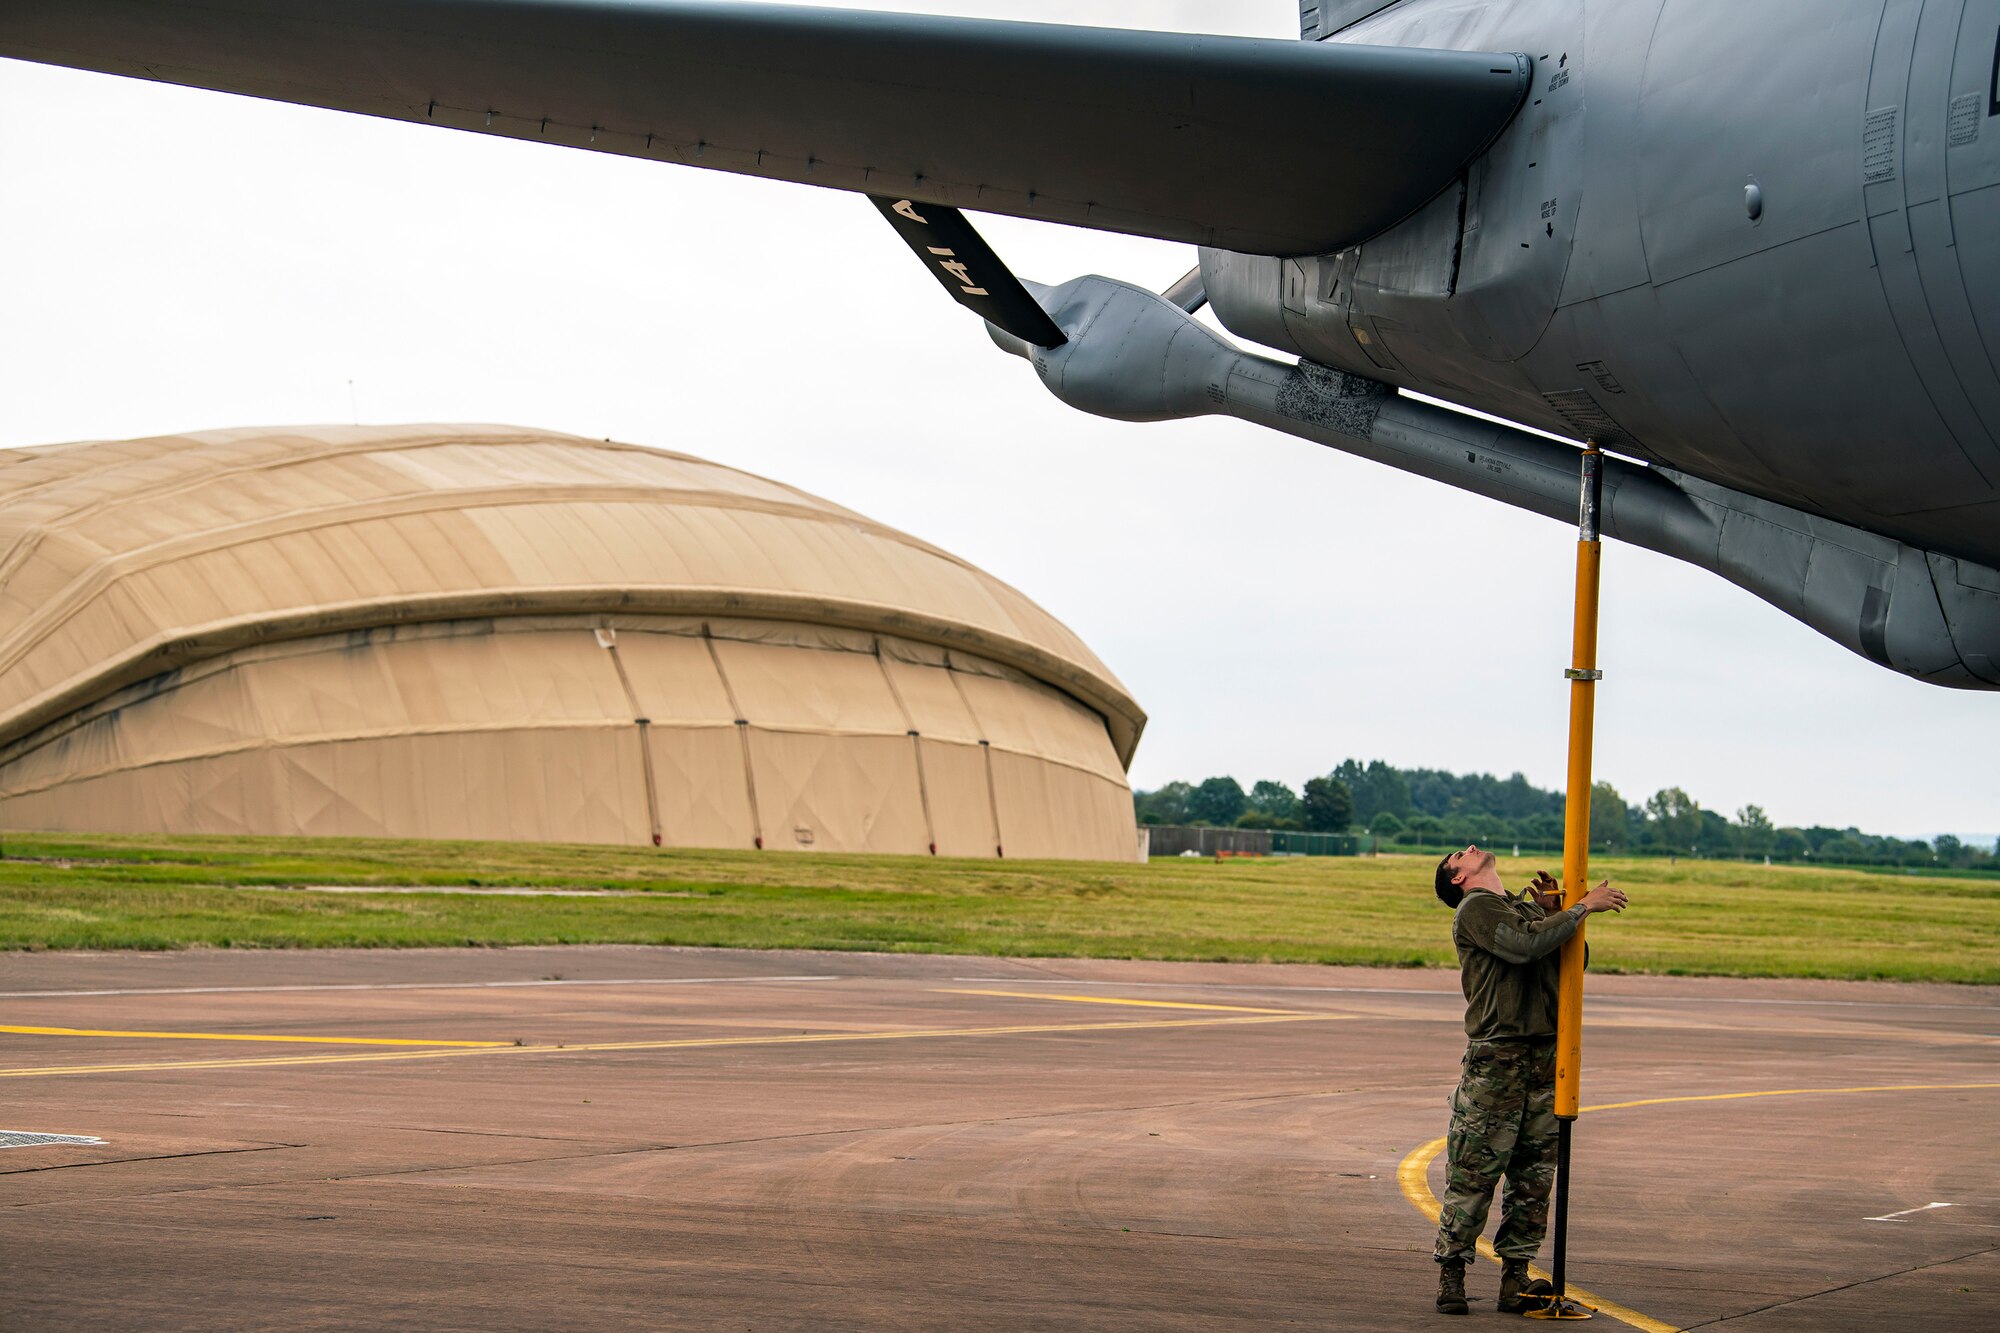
(1260, 146)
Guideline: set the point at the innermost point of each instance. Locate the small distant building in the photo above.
(486, 632)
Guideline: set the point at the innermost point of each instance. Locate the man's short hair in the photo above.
(1448, 893)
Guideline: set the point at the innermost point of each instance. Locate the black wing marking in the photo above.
(961, 260)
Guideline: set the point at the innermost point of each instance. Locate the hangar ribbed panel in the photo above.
(484, 633)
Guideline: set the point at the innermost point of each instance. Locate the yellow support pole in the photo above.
(1583, 677)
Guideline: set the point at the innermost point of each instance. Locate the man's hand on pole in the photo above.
(1603, 898)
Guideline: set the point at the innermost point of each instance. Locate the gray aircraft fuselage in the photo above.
(1757, 242)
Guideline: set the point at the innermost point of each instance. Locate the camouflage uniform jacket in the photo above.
(1507, 964)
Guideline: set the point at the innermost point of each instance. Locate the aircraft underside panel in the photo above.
(1760, 250)
(1321, 18)
(1835, 333)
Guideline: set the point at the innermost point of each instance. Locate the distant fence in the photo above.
(1173, 840)
(1288, 843)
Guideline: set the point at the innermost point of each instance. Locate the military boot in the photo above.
(1451, 1287)
(1520, 1293)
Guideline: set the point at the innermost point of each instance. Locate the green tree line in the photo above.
(1429, 807)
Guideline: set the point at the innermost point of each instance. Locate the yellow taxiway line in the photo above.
(1797, 1092)
(1413, 1175)
(240, 1036)
(1140, 1004)
(686, 1043)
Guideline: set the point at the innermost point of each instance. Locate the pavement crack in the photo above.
(150, 1157)
(512, 1161)
(1046, 969)
(1844, 1286)
(485, 1133)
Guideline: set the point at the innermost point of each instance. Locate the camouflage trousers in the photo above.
(1503, 1123)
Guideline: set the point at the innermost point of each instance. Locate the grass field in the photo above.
(74, 892)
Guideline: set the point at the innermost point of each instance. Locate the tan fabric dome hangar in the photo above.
(486, 632)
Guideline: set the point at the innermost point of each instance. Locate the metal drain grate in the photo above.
(21, 1138)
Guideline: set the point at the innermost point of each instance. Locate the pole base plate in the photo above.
(1562, 1309)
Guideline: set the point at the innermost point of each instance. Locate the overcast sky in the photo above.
(178, 260)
